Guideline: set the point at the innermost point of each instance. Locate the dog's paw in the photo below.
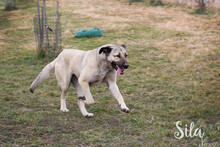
(126, 110)
(64, 110)
(89, 115)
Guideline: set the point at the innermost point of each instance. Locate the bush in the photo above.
(156, 2)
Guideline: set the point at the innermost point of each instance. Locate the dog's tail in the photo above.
(45, 73)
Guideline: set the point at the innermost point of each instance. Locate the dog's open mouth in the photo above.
(117, 68)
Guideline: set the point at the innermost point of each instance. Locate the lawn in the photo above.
(174, 75)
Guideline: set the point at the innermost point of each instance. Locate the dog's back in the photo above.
(76, 60)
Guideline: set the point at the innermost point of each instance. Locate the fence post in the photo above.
(57, 23)
(13, 4)
(6, 3)
(42, 25)
(203, 5)
(38, 11)
(45, 20)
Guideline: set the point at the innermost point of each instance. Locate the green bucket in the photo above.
(91, 32)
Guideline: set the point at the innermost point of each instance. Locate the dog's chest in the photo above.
(97, 79)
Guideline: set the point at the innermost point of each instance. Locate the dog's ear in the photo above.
(123, 46)
(105, 49)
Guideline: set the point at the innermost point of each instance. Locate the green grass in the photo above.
(160, 89)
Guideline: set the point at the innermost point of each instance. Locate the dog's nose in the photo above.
(126, 65)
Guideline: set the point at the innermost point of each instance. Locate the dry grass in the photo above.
(116, 15)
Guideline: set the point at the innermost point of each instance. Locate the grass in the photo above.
(174, 75)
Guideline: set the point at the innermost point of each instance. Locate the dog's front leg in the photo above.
(113, 88)
(85, 88)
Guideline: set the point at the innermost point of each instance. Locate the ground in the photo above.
(173, 76)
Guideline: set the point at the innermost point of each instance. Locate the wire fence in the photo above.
(47, 30)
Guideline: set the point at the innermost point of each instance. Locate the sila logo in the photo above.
(188, 132)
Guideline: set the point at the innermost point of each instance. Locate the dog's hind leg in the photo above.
(81, 97)
(63, 79)
(63, 101)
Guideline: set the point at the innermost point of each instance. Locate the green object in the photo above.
(91, 32)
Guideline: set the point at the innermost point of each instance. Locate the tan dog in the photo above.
(86, 68)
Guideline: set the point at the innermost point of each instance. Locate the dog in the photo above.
(84, 69)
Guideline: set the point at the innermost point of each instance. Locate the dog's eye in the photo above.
(126, 55)
(119, 56)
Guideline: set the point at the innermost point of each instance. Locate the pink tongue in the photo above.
(119, 70)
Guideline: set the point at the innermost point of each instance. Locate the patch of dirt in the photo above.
(24, 109)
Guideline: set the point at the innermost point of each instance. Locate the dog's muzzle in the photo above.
(118, 68)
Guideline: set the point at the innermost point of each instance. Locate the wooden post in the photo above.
(203, 6)
(42, 25)
(6, 4)
(13, 4)
(38, 10)
(57, 24)
(45, 23)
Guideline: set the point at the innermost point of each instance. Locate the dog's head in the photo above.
(116, 57)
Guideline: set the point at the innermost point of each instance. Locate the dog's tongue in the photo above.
(119, 71)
